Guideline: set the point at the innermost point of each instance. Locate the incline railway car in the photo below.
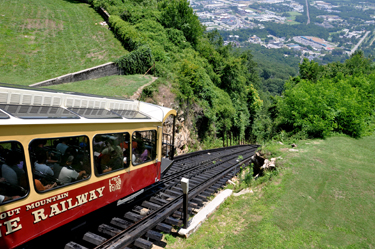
(64, 155)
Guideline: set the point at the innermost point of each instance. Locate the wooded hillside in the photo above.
(219, 88)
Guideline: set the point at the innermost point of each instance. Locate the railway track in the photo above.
(159, 207)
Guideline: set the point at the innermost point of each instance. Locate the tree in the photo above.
(310, 70)
(358, 64)
(252, 75)
(179, 15)
(319, 108)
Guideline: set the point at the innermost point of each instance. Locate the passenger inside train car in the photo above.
(39, 147)
(62, 146)
(40, 165)
(69, 163)
(64, 174)
(13, 178)
(40, 187)
(145, 149)
(111, 152)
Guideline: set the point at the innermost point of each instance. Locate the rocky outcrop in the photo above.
(182, 135)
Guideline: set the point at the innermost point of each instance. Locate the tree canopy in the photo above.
(225, 91)
(215, 84)
(338, 97)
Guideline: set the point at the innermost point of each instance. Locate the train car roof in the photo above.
(21, 105)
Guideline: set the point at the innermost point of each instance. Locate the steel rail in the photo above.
(177, 174)
(200, 152)
(129, 235)
(204, 175)
(153, 189)
(166, 181)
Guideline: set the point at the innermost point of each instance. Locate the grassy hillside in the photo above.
(323, 198)
(49, 38)
(114, 86)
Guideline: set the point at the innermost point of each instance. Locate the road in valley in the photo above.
(359, 43)
(307, 12)
(372, 41)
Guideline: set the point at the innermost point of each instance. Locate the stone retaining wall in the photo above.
(103, 13)
(107, 69)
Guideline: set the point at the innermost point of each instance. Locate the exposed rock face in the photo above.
(182, 135)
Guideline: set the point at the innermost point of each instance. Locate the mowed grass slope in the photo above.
(42, 39)
(323, 198)
(291, 19)
(111, 86)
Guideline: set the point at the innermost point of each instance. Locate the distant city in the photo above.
(232, 15)
(219, 14)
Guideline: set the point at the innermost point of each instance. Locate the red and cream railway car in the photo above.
(64, 155)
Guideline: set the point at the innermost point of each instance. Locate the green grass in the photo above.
(112, 86)
(292, 17)
(324, 197)
(43, 39)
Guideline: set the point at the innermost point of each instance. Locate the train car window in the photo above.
(144, 146)
(111, 152)
(3, 115)
(13, 176)
(59, 161)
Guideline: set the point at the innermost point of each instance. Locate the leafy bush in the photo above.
(134, 13)
(148, 91)
(179, 15)
(177, 37)
(249, 175)
(126, 33)
(136, 62)
(329, 105)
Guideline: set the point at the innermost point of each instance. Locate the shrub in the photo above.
(136, 62)
(179, 15)
(126, 33)
(148, 91)
(329, 105)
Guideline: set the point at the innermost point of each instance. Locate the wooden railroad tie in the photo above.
(142, 243)
(108, 230)
(94, 238)
(120, 222)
